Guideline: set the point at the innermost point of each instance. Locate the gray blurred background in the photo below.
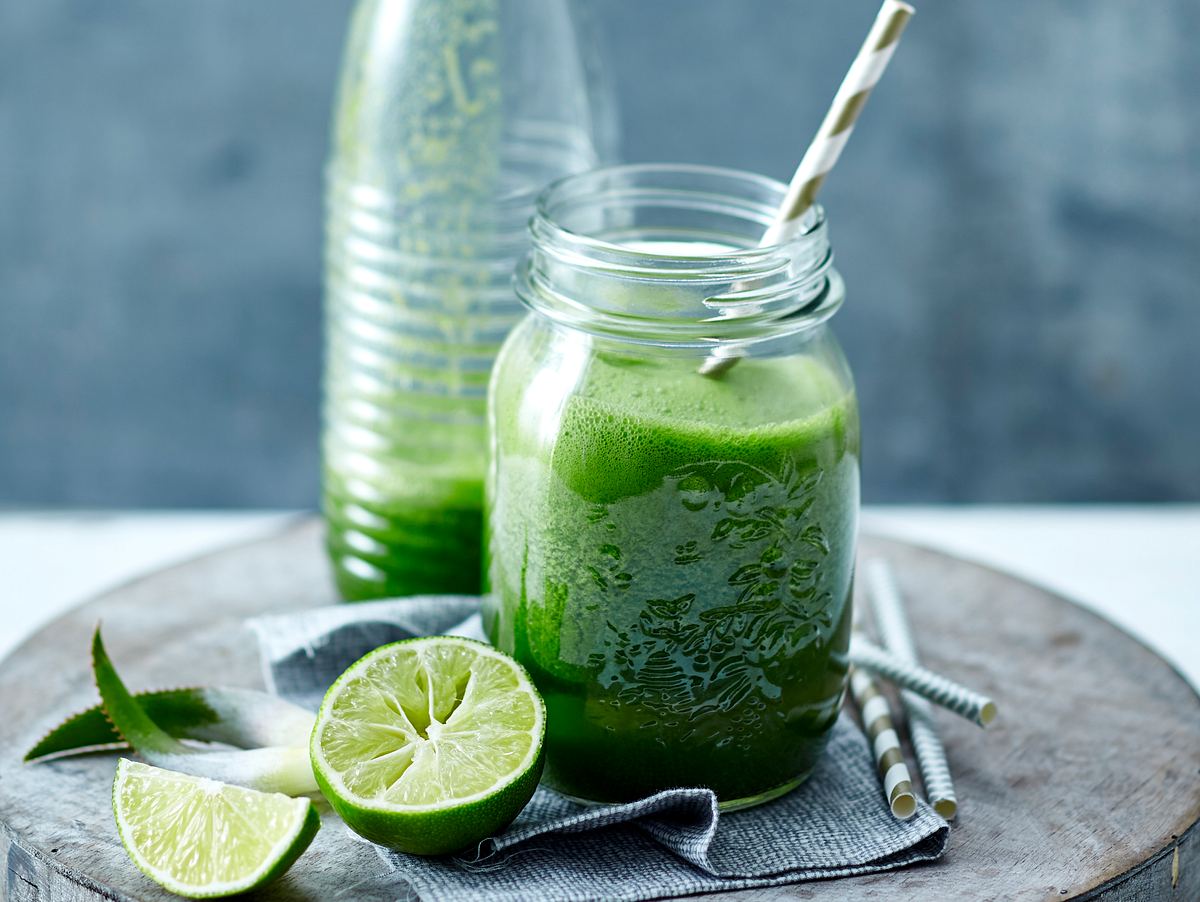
(1017, 218)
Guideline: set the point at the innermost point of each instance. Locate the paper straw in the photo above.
(892, 623)
(885, 744)
(939, 690)
(864, 73)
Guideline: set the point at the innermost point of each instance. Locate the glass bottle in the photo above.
(671, 554)
(451, 115)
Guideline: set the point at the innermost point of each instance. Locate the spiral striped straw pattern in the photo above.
(864, 73)
(885, 745)
(938, 689)
(892, 624)
(821, 155)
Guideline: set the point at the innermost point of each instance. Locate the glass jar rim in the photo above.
(599, 263)
(545, 221)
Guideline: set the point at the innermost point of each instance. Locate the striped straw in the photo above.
(889, 759)
(892, 622)
(941, 691)
(864, 73)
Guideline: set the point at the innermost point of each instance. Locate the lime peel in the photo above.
(284, 769)
(431, 744)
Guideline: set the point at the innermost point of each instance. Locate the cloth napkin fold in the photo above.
(674, 843)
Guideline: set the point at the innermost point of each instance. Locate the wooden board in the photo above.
(1087, 787)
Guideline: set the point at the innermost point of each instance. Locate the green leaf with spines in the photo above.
(245, 718)
(284, 769)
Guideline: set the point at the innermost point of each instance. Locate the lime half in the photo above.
(200, 838)
(430, 745)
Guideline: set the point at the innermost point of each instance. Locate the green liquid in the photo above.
(385, 547)
(403, 497)
(672, 559)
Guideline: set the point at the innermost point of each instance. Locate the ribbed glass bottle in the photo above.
(451, 115)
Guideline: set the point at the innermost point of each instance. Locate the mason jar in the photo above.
(673, 491)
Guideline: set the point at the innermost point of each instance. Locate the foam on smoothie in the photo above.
(640, 417)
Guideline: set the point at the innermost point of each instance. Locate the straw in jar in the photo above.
(864, 73)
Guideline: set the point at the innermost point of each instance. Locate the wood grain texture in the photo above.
(1088, 785)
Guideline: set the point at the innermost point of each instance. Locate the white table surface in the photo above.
(1138, 566)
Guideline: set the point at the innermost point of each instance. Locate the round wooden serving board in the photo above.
(1087, 786)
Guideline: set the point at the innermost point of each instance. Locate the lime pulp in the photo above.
(430, 745)
(200, 838)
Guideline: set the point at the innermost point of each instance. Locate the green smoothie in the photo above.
(403, 492)
(403, 543)
(672, 559)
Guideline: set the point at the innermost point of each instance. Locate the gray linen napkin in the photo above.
(671, 844)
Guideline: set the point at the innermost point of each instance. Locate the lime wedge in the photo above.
(199, 838)
(430, 745)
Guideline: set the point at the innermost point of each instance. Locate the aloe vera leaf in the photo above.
(246, 718)
(283, 769)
